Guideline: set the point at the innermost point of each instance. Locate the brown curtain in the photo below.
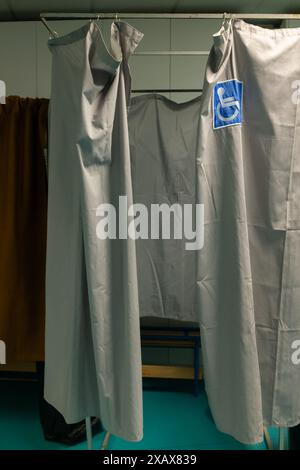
(23, 216)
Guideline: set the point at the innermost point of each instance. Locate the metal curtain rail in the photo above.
(196, 16)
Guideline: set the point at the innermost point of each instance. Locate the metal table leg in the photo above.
(105, 441)
(281, 438)
(196, 366)
(268, 439)
(89, 436)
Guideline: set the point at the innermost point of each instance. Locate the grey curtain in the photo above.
(248, 271)
(163, 142)
(93, 358)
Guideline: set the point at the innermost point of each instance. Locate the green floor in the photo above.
(172, 420)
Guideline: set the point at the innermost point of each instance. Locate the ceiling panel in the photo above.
(30, 9)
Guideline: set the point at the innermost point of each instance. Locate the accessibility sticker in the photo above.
(227, 103)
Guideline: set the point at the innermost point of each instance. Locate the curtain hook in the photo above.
(53, 33)
(230, 18)
(116, 17)
(227, 20)
(224, 19)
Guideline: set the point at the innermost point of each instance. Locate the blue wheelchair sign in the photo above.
(227, 103)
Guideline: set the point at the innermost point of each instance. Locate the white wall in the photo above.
(26, 60)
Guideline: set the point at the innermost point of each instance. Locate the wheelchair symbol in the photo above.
(225, 103)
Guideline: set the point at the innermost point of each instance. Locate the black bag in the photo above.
(294, 438)
(53, 424)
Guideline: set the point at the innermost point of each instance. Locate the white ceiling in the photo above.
(30, 9)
